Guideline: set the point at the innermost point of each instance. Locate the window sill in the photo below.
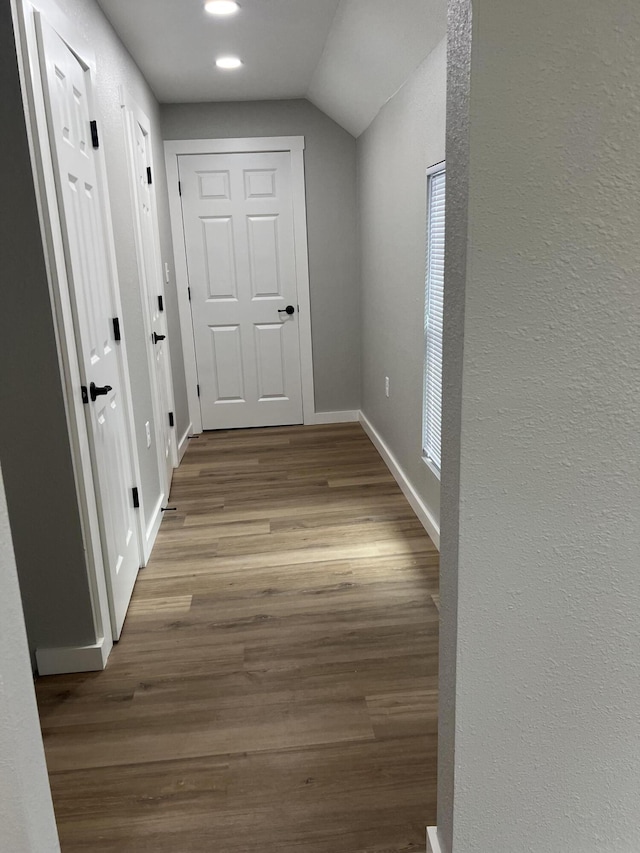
(431, 466)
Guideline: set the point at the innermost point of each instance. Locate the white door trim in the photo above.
(26, 12)
(294, 145)
(433, 842)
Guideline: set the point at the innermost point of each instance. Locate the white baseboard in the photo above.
(184, 443)
(433, 845)
(74, 659)
(345, 417)
(417, 504)
(152, 531)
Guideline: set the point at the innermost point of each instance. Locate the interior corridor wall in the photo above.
(34, 441)
(547, 674)
(330, 174)
(116, 68)
(394, 153)
(26, 811)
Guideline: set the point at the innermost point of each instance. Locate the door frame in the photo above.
(132, 112)
(26, 12)
(293, 145)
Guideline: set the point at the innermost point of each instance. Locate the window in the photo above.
(433, 314)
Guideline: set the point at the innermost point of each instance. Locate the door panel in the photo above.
(152, 288)
(94, 301)
(239, 238)
(226, 352)
(220, 263)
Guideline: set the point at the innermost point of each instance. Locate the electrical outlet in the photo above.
(387, 385)
(147, 426)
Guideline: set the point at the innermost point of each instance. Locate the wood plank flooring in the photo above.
(275, 687)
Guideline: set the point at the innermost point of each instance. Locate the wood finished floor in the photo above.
(275, 687)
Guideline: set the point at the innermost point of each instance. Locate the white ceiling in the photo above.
(347, 56)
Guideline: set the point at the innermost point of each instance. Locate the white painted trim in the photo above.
(299, 196)
(345, 417)
(417, 504)
(74, 659)
(437, 167)
(183, 444)
(294, 145)
(46, 200)
(152, 530)
(245, 145)
(433, 844)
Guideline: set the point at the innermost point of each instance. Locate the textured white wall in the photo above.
(27, 823)
(406, 137)
(547, 746)
(458, 78)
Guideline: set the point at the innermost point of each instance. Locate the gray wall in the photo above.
(115, 68)
(26, 811)
(330, 166)
(34, 441)
(547, 751)
(394, 153)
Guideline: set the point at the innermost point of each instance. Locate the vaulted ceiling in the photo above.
(347, 56)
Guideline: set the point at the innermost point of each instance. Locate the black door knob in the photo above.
(157, 338)
(98, 391)
(288, 310)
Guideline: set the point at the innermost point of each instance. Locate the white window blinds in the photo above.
(433, 316)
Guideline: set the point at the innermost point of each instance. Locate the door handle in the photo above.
(288, 310)
(157, 338)
(98, 391)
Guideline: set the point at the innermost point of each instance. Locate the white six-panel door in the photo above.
(94, 302)
(239, 237)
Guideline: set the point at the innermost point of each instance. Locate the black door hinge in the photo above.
(171, 419)
(94, 134)
(116, 329)
(160, 303)
(149, 181)
(198, 387)
(189, 292)
(85, 394)
(180, 187)
(136, 498)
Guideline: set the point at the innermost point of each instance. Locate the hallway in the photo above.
(275, 687)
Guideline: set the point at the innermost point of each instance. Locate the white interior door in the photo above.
(95, 302)
(240, 249)
(153, 294)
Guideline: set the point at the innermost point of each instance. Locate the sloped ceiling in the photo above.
(347, 56)
(372, 49)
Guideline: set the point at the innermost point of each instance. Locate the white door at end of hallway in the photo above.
(240, 246)
(67, 88)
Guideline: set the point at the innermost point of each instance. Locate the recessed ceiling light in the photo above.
(228, 62)
(221, 7)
